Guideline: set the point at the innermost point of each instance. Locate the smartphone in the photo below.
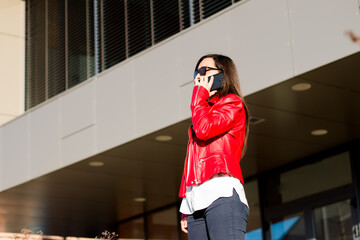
(218, 81)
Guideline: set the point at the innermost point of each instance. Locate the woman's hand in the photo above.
(203, 81)
(183, 223)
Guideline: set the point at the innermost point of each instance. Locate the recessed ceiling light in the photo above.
(140, 199)
(301, 87)
(319, 132)
(96, 164)
(163, 138)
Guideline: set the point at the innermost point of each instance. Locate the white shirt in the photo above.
(201, 196)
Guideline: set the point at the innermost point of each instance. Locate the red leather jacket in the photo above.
(215, 139)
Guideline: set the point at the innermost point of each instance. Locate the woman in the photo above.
(214, 204)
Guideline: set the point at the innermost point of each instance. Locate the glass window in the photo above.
(166, 19)
(163, 224)
(289, 227)
(314, 178)
(195, 11)
(186, 11)
(78, 40)
(56, 47)
(91, 40)
(333, 221)
(114, 32)
(254, 221)
(132, 229)
(61, 43)
(36, 54)
(139, 25)
(50, 28)
(211, 7)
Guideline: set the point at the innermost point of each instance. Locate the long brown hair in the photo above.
(230, 85)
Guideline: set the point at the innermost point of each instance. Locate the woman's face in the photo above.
(208, 62)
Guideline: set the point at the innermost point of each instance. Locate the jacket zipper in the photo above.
(188, 163)
(195, 167)
(226, 166)
(203, 159)
(190, 154)
(192, 148)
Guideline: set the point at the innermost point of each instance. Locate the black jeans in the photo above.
(224, 219)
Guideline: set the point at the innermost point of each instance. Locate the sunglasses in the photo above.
(202, 71)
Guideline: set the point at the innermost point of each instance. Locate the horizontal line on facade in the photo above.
(187, 83)
(11, 35)
(77, 131)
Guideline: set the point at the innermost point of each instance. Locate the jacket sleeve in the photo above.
(209, 123)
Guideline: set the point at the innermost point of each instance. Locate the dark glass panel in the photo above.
(91, 41)
(139, 25)
(163, 224)
(185, 14)
(211, 7)
(77, 42)
(36, 55)
(56, 47)
(114, 32)
(166, 19)
(289, 228)
(132, 229)
(333, 221)
(196, 11)
(307, 181)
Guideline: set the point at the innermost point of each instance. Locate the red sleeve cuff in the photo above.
(199, 94)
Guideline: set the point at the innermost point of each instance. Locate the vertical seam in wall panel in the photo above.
(60, 133)
(133, 98)
(290, 38)
(95, 116)
(28, 155)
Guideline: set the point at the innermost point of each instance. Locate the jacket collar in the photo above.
(213, 99)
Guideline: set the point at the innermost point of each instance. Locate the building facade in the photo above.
(102, 142)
